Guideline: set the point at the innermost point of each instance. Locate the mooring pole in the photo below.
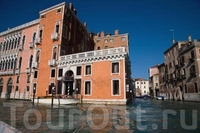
(33, 95)
(53, 91)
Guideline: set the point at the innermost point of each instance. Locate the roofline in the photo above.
(52, 7)
(20, 27)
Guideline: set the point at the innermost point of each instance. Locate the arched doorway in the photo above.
(1, 86)
(9, 88)
(68, 80)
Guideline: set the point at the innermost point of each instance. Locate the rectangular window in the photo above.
(35, 74)
(156, 84)
(87, 88)
(185, 88)
(57, 28)
(88, 70)
(115, 87)
(60, 72)
(53, 72)
(115, 67)
(59, 10)
(196, 88)
(42, 16)
(40, 35)
(78, 70)
(17, 79)
(28, 78)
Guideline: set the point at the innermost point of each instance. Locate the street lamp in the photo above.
(33, 95)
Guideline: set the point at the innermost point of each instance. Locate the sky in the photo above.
(148, 23)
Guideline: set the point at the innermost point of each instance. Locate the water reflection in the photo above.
(143, 116)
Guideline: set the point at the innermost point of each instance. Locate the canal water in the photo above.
(143, 116)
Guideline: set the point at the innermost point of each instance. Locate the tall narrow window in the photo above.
(186, 88)
(88, 70)
(115, 67)
(17, 88)
(17, 79)
(30, 61)
(28, 78)
(53, 72)
(54, 53)
(57, 28)
(60, 72)
(35, 74)
(27, 88)
(34, 35)
(115, 87)
(87, 88)
(78, 70)
(38, 56)
(20, 62)
(23, 40)
(196, 88)
(40, 35)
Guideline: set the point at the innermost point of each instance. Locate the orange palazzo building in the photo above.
(56, 50)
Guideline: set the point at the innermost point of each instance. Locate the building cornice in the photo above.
(91, 56)
(53, 7)
(20, 27)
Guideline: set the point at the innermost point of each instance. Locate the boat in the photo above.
(160, 97)
(56, 100)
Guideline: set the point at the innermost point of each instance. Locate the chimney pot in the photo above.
(173, 41)
(189, 38)
(85, 24)
(116, 32)
(102, 34)
(71, 6)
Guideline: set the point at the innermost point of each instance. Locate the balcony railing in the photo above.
(193, 73)
(10, 72)
(20, 47)
(31, 45)
(68, 79)
(52, 62)
(34, 65)
(16, 71)
(54, 36)
(103, 52)
(37, 40)
(28, 70)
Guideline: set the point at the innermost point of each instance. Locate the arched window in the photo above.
(30, 61)
(38, 56)
(54, 53)
(18, 41)
(17, 88)
(34, 35)
(20, 62)
(27, 88)
(23, 40)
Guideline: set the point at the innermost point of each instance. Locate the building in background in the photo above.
(141, 87)
(57, 51)
(154, 81)
(180, 76)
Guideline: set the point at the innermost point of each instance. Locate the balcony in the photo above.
(37, 41)
(10, 72)
(68, 79)
(28, 70)
(54, 36)
(34, 65)
(52, 62)
(183, 76)
(193, 74)
(191, 59)
(16, 71)
(20, 47)
(31, 45)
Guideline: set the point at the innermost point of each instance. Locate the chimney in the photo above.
(74, 10)
(85, 24)
(189, 38)
(71, 6)
(116, 32)
(173, 41)
(102, 34)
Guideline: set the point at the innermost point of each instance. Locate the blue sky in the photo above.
(148, 23)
